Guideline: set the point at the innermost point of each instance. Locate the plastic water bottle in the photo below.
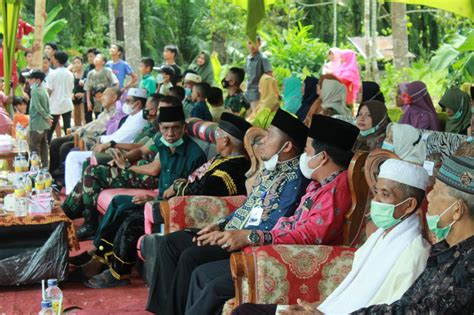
(39, 183)
(21, 206)
(55, 295)
(46, 308)
(48, 180)
(35, 162)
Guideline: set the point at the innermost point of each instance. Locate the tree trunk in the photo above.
(367, 40)
(40, 13)
(119, 27)
(399, 34)
(131, 26)
(112, 26)
(373, 46)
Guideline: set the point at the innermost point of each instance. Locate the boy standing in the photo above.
(199, 96)
(40, 117)
(170, 53)
(235, 100)
(147, 82)
(120, 67)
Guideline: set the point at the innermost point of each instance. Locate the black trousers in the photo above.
(58, 150)
(255, 309)
(178, 256)
(211, 286)
(66, 123)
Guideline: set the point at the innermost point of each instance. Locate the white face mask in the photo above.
(271, 164)
(127, 109)
(159, 78)
(304, 167)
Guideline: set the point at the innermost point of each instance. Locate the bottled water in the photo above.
(39, 183)
(28, 185)
(46, 308)
(48, 180)
(21, 206)
(55, 295)
(35, 162)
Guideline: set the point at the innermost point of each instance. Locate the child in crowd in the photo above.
(20, 105)
(216, 102)
(41, 119)
(199, 96)
(148, 82)
(164, 79)
(235, 101)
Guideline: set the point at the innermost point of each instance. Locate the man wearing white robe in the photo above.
(395, 255)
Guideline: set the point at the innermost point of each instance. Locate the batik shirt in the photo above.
(220, 176)
(319, 218)
(446, 286)
(278, 192)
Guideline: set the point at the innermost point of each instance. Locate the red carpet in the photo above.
(127, 300)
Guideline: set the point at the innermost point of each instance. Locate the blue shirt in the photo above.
(277, 192)
(121, 69)
(200, 110)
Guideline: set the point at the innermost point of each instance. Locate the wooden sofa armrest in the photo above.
(252, 141)
(242, 267)
(78, 142)
(165, 213)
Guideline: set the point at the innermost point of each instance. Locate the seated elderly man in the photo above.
(319, 219)
(392, 258)
(82, 200)
(275, 194)
(446, 286)
(122, 225)
(132, 126)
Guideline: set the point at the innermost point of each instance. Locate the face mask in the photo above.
(382, 214)
(171, 145)
(456, 116)
(365, 133)
(225, 83)
(440, 233)
(188, 92)
(388, 146)
(159, 78)
(145, 113)
(127, 109)
(270, 165)
(304, 167)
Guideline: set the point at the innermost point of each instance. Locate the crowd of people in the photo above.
(133, 130)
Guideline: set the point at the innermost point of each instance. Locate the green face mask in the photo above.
(171, 145)
(433, 220)
(382, 214)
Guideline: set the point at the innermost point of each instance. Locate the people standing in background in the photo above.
(121, 68)
(91, 54)
(170, 53)
(60, 88)
(98, 79)
(235, 100)
(46, 68)
(203, 66)
(148, 82)
(78, 91)
(49, 50)
(256, 65)
(348, 74)
(25, 87)
(20, 106)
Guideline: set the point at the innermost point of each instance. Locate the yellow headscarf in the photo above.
(268, 104)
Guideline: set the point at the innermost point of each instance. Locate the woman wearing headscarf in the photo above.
(268, 104)
(348, 74)
(370, 92)
(203, 67)
(458, 107)
(333, 98)
(292, 94)
(417, 106)
(372, 120)
(310, 94)
(334, 56)
(406, 142)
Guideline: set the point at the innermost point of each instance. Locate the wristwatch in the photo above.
(113, 144)
(253, 238)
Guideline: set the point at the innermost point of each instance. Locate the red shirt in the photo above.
(319, 218)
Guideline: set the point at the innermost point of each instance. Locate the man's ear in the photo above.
(288, 147)
(460, 210)
(411, 205)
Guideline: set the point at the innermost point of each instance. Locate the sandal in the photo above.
(105, 280)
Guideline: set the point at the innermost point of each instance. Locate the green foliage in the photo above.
(295, 51)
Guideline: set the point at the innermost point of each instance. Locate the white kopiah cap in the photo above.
(192, 77)
(140, 93)
(405, 173)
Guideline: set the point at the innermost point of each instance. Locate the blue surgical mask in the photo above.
(188, 92)
(171, 145)
(456, 116)
(388, 146)
(382, 214)
(368, 132)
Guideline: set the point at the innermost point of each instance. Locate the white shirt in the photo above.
(61, 84)
(132, 126)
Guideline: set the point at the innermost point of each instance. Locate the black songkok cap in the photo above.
(171, 114)
(333, 132)
(292, 126)
(234, 125)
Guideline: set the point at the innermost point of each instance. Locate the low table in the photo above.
(33, 248)
(9, 156)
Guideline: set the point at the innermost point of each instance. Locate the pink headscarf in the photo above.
(333, 65)
(348, 73)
